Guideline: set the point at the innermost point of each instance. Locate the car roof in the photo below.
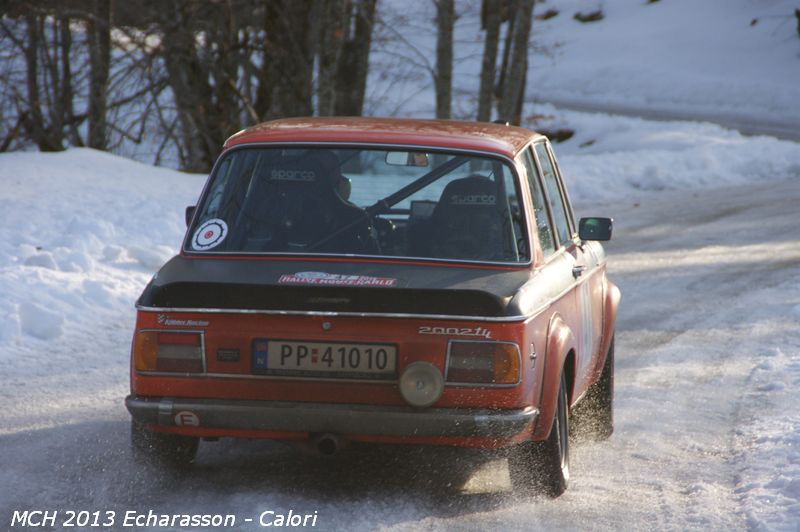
(459, 134)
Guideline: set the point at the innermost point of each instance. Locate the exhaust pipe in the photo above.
(328, 444)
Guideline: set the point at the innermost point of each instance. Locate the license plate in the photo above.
(323, 359)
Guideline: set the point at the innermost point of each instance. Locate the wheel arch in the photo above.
(559, 357)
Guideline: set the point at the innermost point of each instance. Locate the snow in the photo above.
(722, 363)
(673, 58)
(708, 354)
(702, 57)
(705, 251)
(625, 155)
(85, 231)
(39, 322)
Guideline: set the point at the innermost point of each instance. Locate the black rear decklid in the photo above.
(323, 299)
(289, 285)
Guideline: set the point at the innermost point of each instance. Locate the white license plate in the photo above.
(323, 359)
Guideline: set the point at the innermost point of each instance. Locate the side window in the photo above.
(564, 194)
(519, 243)
(560, 217)
(539, 208)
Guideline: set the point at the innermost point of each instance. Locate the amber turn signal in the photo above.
(145, 351)
(180, 352)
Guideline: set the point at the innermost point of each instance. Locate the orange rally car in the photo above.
(381, 280)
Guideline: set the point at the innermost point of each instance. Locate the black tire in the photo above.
(542, 467)
(159, 449)
(593, 417)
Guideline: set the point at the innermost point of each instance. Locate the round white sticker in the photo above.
(210, 234)
(185, 418)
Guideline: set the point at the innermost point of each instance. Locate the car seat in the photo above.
(295, 203)
(467, 222)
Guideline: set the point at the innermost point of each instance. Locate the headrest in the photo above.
(320, 168)
(294, 169)
(472, 191)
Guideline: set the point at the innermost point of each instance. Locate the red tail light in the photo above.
(474, 362)
(179, 352)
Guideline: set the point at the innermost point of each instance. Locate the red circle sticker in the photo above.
(210, 234)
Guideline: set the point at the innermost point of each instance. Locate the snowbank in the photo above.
(84, 230)
(613, 156)
(707, 57)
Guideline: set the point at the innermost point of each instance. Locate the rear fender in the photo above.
(560, 341)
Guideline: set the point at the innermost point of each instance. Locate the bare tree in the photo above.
(351, 77)
(332, 37)
(491, 19)
(512, 98)
(508, 10)
(289, 58)
(47, 105)
(177, 77)
(202, 75)
(99, 35)
(797, 16)
(443, 79)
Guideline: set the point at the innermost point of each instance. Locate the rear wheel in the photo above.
(161, 449)
(542, 467)
(594, 416)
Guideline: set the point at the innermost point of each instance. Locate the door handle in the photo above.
(577, 271)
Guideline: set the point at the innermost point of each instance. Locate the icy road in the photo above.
(707, 423)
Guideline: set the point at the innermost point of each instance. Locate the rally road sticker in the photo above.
(335, 279)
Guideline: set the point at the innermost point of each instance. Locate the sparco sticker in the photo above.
(335, 279)
(210, 234)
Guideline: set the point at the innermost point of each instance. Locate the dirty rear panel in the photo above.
(230, 342)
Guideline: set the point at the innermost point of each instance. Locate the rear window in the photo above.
(362, 202)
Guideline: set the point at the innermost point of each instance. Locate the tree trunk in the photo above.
(351, 77)
(332, 35)
(445, 19)
(224, 37)
(65, 109)
(509, 13)
(516, 118)
(289, 58)
(512, 96)
(34, 123)
(797, 16)
(99, 36)
(189, 81)
(490, 45)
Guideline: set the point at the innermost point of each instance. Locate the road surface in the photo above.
(703, 277)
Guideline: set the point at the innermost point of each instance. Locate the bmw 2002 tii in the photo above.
(381, 280)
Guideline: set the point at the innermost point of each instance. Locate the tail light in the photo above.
(179, 352)
(483, 363)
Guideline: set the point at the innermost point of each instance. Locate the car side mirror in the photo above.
(190, 214)
(595, 228)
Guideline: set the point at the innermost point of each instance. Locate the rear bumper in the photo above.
(345, 419)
